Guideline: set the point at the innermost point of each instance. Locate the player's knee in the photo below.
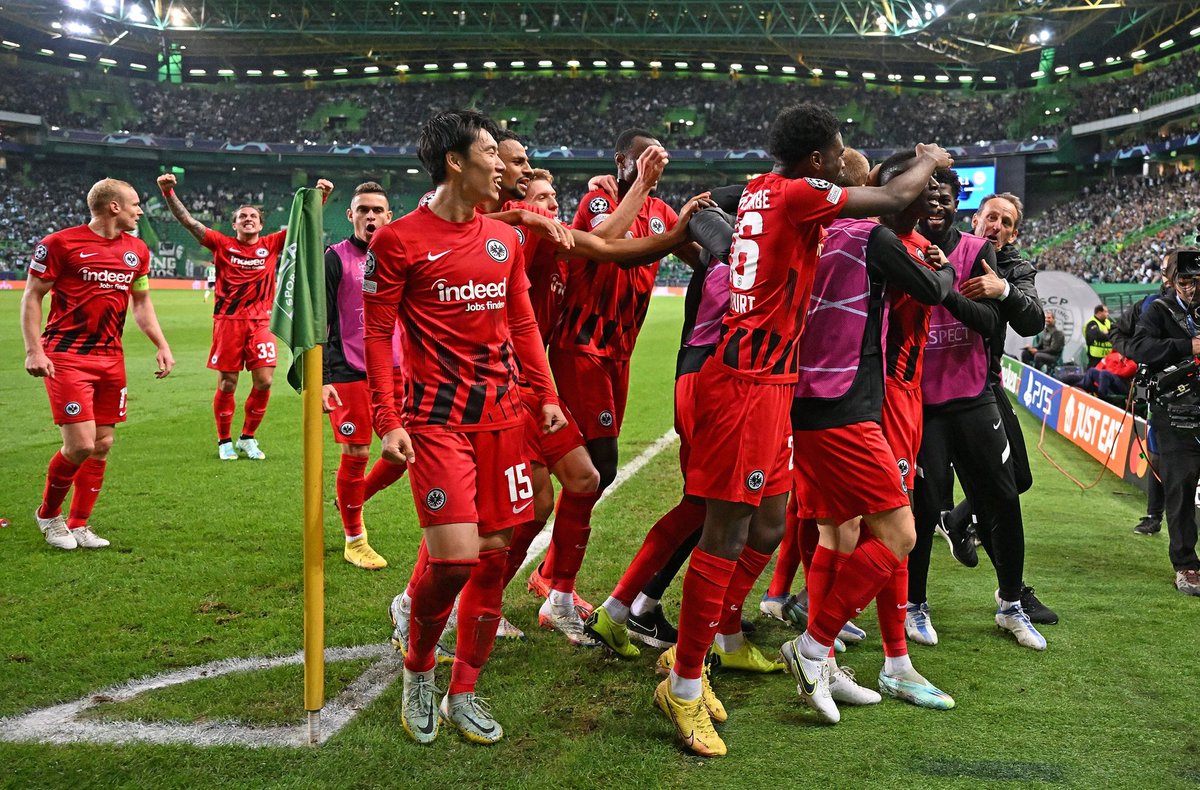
(357, 450)
(77, 452)
(227, 383)
(452, 575)
(582, 479)
(101, 447)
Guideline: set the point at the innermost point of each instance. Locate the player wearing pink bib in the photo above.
(94, 270)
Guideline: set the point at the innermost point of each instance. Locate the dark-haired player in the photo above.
(454, 281)
(748, 385)
(246, 264)
(344, 394)
(94, 270)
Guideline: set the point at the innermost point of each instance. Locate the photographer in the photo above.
(1166, 336)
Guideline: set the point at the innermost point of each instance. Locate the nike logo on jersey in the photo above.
(714, 624)
(522, 508)
(433, 257)
(87, 254)
(996, 427)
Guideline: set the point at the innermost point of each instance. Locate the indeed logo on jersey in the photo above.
(250, 263)
(107, 278)
(479, 296)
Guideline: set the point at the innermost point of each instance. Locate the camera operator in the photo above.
(1167, 336)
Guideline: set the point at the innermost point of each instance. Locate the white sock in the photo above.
(561, 600)
(812, 649)
(897, 665)
(1008, 604)
(643, 605)
(618, 611)
(411, 676)
(405, 601)
(684, 688)
(731, 643)
(352, 538)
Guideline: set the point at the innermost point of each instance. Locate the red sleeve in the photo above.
(212, 239)
(46, 263)
(812, 201)
(527, 341)
(274, 242)
(143, 253)
(594, 208)
(384, 275)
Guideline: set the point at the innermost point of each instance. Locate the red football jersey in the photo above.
(245, 274)
(547, 272)
(91, 276)
(604, 305)
(448, 284)
(907, 324)
(780, 228)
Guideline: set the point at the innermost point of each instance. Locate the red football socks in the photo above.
(59, 476)
(349, 488)
(890, 606)
(382, 475)
(518, 547)
(478, 616)
(88, 481)
(704, 587)
(418, 568)
(255, 409)
(858, 582)
(223, 406)
(432, 601)
(572, 527)
(820, 576)
(660, 543)
(750, 566)
(789, 557)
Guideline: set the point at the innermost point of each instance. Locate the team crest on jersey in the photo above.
(262, 252)
(496, 250)
(520, 235)
(346, 428)
(598, 205)
(435, 499)
(72, 409)
(905, 468)
(755, 480)
(657, 226)
(40, 252)
(369, 264)
(131, 259)
(605, 419)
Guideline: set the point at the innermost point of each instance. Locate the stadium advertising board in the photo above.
(1099, 428)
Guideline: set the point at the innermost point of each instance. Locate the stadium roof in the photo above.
(1006, 38)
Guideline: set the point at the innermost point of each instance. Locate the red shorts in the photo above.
(846, 472)
(685, 416)
(471, 477)
(87, 387)
(902, 424)
(547, 449)
(594, 389)
(741, 450)
(241, 343)
(351, 421)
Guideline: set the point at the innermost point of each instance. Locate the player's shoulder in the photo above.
(597, 201)
(66, 236)
(139, 246)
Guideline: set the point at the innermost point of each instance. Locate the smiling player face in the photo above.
(247, 222)
(481, 170)
(541, 193)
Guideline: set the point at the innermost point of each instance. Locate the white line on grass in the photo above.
(542, 541)
(60, 724)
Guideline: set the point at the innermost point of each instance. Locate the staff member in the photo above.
(1095, 334)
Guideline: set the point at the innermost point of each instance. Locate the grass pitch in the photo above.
(206, 563)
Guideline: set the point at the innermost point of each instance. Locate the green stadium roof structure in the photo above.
(1006, 37)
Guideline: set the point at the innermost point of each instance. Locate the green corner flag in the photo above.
(298, 315)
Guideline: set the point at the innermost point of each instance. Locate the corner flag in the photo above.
(298, 319)
(298, 315)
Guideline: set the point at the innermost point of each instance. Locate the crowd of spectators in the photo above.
(32, 208)
(589, 111)
(1107, 233)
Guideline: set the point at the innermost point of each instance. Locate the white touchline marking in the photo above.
(542, 541)
(60, 724)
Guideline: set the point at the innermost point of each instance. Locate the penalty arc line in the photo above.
(542, 541)
(60, 724)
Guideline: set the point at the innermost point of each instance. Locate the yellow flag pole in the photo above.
(314, 546)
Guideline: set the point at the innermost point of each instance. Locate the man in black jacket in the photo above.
(1167, 335)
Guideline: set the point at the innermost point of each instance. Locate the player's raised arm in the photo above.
(326, 187)
(166, 183)
(901, 190)
(650, 165)
(630, 253)
(147, 321)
